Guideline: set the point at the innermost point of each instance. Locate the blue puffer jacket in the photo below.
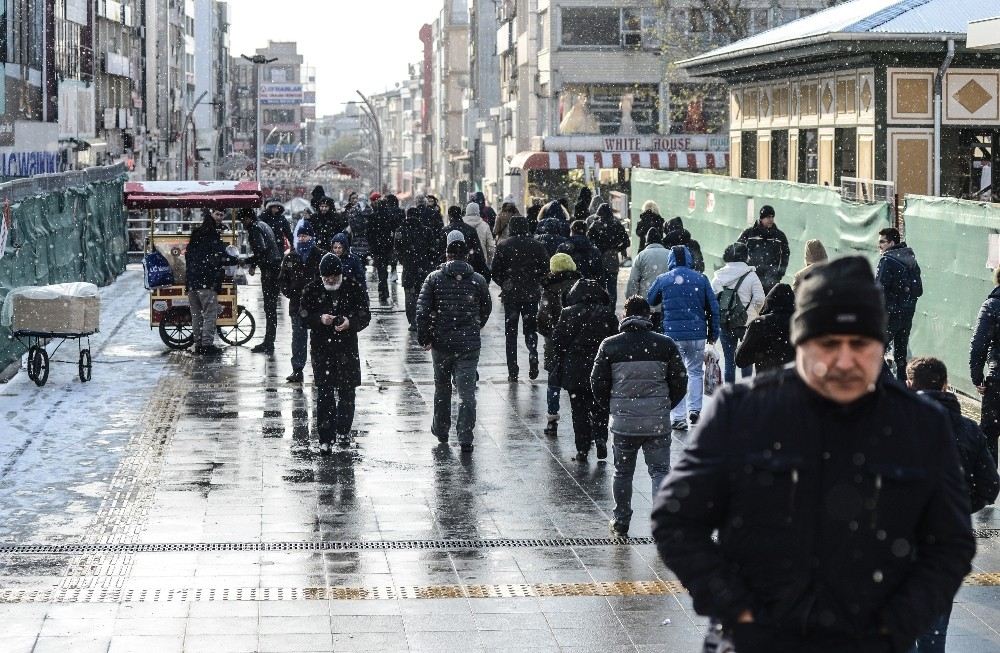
(690, 309)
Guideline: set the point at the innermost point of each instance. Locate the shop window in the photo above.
(609, 109)
(748, 155)
(779, 154)
(591, 26)
(846, 95)
(808, 156)
(845, 155)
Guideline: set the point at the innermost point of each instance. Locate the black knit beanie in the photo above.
(839, 297)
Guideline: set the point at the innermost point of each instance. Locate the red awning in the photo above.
(653, 160)
(192, 194)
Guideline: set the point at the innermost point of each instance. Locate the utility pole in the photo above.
(257, 60)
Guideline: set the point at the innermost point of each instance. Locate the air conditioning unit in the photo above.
(632, 40)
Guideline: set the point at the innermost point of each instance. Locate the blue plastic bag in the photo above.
(157, 270)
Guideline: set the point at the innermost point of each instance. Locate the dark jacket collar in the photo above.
(946, 399)
(635, 323)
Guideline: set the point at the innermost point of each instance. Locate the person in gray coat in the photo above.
(453, 306)
(651, 262)
(639, 377)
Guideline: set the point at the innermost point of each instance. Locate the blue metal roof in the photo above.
(888, 17)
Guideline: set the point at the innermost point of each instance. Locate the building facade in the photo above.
(447, 158)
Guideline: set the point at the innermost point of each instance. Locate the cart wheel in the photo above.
(38, 366)
(175, 328)
(86, 365)
(242, 331)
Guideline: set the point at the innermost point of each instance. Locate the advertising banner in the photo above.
(281, 94)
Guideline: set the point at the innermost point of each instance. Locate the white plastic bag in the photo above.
(713, 372)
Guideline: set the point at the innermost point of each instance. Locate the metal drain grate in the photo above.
(361, 545)
(986, 533)
(370, 593)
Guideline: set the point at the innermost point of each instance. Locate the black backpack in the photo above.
(732, 313)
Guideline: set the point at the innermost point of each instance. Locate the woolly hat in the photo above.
(562, 263)
(305, 227)
(455, 236)
(330, 266)
(839, 297)
(766, 211)
(471, 209)
(815, 252)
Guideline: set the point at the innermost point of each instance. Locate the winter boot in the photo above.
(552, 426)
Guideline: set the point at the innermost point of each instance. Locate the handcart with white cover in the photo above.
(38, 315)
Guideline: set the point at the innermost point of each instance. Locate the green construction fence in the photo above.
(63, 228)
(951, 238)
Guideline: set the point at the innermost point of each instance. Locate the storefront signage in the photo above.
(28, 164)
(281, 93)
(639, 143)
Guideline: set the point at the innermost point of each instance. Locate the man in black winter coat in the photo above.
(835, 495)
(419, 252)
(610, 238)
(675, 234)
(204, 258)
(327, 222)
(454, 306)
(985, 351)
(899, 275)
(929, 378)
(385, 220)
(336, 310)
(584, 322)
(519, 266)
(273, 216)
(767, 248)
(587, 257)
(639, 376)
(267, 255)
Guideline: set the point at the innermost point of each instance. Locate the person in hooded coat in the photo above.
(814, 253)
(477, 256)
(352, 265)
(648, 219)
(767, 344)
(318, 193)
(899, 275)
(382, 226)
(984, 351)
(589, 262)
(675, 234)
(550, 228)
(483, 231)
(691, 318)
(204, 260)
(454, 306)
(486, 212)
(299, 268)
(581, 210)
(518, 268)
(327, 222)
(273, 216)
(419, 252)
(561, 277)
(651, 262)
(609, 236)
(767, 248)
(336, 309)
(584, 323)
(737, 275)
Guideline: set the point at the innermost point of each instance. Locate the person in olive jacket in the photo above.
(767, 343)
(518, 268)
(561, 277)
(821, 508)
(584, 323)
(336, 309)
(299, 268)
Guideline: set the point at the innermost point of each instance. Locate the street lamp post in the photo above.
(257, 60)
(378, 138)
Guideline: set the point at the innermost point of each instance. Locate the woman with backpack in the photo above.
(741, 296)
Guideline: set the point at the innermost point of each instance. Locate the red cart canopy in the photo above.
(193, 194)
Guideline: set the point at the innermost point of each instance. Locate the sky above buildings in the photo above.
(354, 45)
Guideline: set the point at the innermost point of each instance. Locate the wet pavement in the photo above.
(175, 504)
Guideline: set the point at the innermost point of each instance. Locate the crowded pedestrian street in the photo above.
(181, 503)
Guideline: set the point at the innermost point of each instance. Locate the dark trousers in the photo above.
(898, 339)
(462, 368)
(334, 411)
(933, 641)
(730, 341)
(381, 264)
(611, 283)
(300, 342)
(411, 292)
(990, 420)
(590, 421)
(656, 451)
(269, 288)
(528, 312)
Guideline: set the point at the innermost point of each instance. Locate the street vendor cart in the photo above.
(168, 234)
